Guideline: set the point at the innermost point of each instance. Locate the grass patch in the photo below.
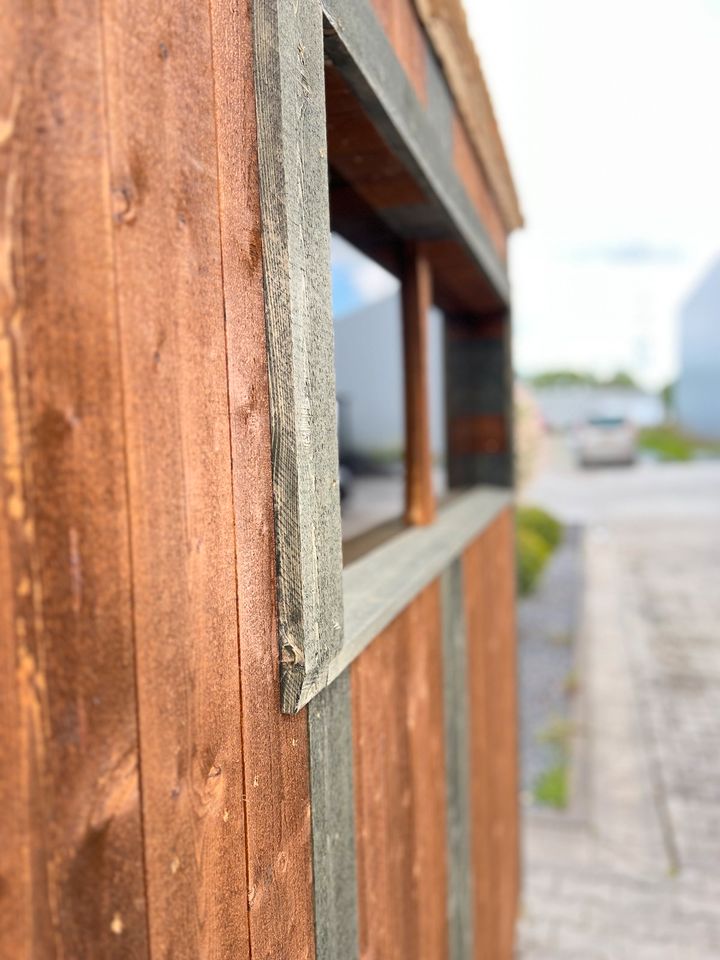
(538, 534)
(551, 787)
(670, 444)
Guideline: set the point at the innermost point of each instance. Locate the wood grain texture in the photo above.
(446, 25)
(276, 749)
(333, 819)
(457, 757)
(478, 603)
(502, 667)
(294, 196)
(400, 22)
(24, 925)
(72, 877)
(400, 787)
(357, 45)
(164, 182)
(488, 570)
(382, 583)
(416, 293)
(475, 181)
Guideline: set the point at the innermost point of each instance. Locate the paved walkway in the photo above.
(632, 870)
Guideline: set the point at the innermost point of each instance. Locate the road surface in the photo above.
(632, 869)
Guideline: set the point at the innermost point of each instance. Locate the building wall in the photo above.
(156, 803)
(697, 397)
(369, 372)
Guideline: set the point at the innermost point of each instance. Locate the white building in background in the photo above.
(566, 406)
(697, 397)
(369, 380)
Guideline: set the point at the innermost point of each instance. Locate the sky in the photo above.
(609, 112)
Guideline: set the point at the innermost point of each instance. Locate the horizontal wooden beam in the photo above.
(383, 582)
(359, 48)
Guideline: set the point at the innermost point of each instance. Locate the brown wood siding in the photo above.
(137, 604)
(72, 871)
(488, 567)
(475, 181)
(276, 750)
(400, 787)
(155, 801)
(401, 24)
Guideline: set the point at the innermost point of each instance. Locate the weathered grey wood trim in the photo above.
(457, 765)
(382, 583)
(292, 150)
(333, 822)
(358, 46)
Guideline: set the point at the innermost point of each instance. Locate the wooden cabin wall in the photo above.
(401, 770)
(407, 38)
(155, 803)
(154, 800)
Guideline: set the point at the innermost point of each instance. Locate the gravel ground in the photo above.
(547, 627)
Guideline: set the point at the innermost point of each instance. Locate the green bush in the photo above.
(538, 534)
(532, 555)
(542, 523)
(551, 787)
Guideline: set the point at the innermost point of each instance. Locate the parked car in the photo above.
(606, 440)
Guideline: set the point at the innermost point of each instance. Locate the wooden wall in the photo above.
(155, 802)
(401, 776)
(414, 51)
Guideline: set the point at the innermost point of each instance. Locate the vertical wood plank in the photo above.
(416, 303)
(457, 754)
(400, 787)
(502, 705)
(477, 605)
(277, 787)
(164, 170)
(333, 819)
(488, 568)
(478, 385)
(20, 931)
(292, 148)
(75, 884)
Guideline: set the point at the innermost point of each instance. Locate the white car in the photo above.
(606, 440)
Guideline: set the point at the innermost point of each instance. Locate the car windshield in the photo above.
(606, 421)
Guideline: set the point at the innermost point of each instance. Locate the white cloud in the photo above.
(370, 281)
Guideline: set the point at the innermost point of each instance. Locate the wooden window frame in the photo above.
(328, 615)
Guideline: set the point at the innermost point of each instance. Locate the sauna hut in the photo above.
(216, 741)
